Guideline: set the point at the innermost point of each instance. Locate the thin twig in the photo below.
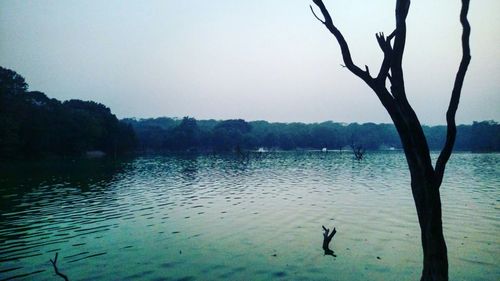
(54, 263)
(312, 10)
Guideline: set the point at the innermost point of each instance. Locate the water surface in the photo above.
(206, 217)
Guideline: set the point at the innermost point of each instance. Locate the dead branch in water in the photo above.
(54, 263)
(358, 151)
(327, 238)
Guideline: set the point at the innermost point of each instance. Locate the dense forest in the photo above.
(35, 126)
(172, 134)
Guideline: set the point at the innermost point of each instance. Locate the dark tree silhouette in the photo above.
(33, 125)
(425, 179)
(358, 151)
(327, 238)
(56, 269)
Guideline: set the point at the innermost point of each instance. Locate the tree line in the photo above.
(189, 134)
(35, 126)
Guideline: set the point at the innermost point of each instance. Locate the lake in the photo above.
(223, 217)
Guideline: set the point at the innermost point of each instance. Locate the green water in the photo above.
(206, 217)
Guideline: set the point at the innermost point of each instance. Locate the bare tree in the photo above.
(358, 151)
(426, 179)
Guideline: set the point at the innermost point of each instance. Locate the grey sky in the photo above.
(251, 59)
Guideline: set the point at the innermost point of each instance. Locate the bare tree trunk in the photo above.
(425, 179)
(428, 205)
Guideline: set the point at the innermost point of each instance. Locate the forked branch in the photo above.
(379, 88)
(455, 95)
(396, 61)
(358, 151)
(327, 238)
(54, 263)
(385, 46)
(346, 54)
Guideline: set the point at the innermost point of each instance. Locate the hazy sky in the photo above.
(251, 59)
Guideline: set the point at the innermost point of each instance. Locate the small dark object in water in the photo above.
(358, 151)
(326, 240)
(54, 263)
(274, 255)
(378, 258)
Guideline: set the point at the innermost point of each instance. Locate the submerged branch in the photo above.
(358, 151)
(327, 238)
(54, 263)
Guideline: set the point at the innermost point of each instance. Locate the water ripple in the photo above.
(187, 217)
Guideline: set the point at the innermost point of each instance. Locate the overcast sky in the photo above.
(250, 59)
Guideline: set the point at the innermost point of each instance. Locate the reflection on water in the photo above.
(215, 217)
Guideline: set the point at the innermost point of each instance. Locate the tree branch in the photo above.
(451, 133)
(385, 46)
(346, 54)
(379, 88)
(402, 7)
(327, 238)
(312, 10)
(416, 141)
(391, 36)
(54, 263)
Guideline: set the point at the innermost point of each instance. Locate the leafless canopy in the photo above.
(394, 99)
